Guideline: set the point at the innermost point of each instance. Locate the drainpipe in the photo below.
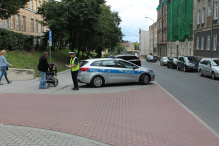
(212, 19)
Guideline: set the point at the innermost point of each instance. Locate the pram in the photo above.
(51, 75)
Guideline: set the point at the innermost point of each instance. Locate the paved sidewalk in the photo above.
(25, 136)
(146, 116)
(64, 87)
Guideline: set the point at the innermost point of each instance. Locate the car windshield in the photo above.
(165, 58)
(191, 59)
(215, 62)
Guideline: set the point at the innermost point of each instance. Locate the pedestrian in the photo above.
(3, 65)
(43, 68)
(74, 66)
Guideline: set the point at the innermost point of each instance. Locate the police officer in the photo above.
(74, 66)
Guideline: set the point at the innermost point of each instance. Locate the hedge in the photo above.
(10, 40)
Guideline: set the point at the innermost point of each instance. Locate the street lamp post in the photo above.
(153, 36)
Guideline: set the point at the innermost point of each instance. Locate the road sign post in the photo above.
(50, 42)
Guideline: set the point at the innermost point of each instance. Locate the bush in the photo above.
(10, 40)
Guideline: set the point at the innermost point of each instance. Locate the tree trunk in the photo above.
(79, 49)
(88, 53)
(99, 52)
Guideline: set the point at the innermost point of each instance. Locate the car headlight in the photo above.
(151, 71)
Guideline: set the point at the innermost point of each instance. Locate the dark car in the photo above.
(186, 63)
(131, 58)
(172, 62)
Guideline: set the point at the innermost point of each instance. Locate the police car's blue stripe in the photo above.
(114, 71)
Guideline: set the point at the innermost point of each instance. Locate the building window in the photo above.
(197, 43)
(198, 15)
(209, 11)
(216, 10)
(35, 5)
(35, 25)
(23, 23)
(12, 22)
(208, 42)
(202, 43)
(6, 24)
(203, 15)
(31, 4)
(39, 27)
(31, 25)
(215, 42)
(18, 22)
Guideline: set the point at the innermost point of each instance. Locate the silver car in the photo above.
(209, 67)
(164, 60)
(98, 72)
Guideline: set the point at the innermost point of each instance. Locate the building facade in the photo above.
(153, 38)
(180, 28)
(144, 43)
(26, 21)
(206, 28)
(162, 28)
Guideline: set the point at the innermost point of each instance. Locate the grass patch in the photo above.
(30, 60)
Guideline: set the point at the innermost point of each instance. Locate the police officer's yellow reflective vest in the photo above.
(72, 62)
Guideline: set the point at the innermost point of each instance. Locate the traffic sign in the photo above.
(50, 43)
(50, 35)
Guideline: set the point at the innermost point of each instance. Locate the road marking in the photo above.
(193, 114)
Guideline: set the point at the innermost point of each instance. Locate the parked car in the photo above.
(172, 62)
(131, 58)
(209, 67)
(163, 61)
(149, 58)
(186, 63)
(98, 72)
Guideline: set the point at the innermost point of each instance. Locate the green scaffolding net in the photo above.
(182, 20)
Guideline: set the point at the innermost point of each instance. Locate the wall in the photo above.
(16, 74)
(27, 13)
(144, 43)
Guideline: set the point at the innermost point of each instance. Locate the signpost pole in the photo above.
(50, 42)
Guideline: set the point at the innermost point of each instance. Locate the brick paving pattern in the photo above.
(143, 117)
(25, 136)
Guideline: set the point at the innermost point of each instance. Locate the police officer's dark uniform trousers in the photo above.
(74, 72)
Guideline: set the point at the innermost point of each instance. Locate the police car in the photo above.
(98, 72)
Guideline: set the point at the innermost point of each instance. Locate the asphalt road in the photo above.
(199, 94)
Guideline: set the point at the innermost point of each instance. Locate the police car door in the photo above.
(126, 72)
(109, 71)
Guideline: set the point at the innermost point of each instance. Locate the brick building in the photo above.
(162, 28)
(206, 28)
(26, 21)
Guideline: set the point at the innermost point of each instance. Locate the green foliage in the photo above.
(85, 25)
(10, 7)
(10, 40)
(136, 45)
(30, 60)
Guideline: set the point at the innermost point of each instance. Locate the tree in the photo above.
(10, 7)
(136, 45)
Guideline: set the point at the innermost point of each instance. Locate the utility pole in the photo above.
(153, 34)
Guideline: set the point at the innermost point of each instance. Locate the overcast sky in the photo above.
(133, 13)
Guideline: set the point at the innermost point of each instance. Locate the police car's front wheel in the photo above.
(144, 79)
(97, 81)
